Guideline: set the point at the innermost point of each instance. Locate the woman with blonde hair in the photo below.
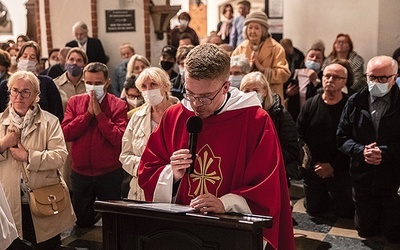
(284, 124)
(155, 87)
(136, 65)
(32, 145)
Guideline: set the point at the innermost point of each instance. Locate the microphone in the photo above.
(193, 126)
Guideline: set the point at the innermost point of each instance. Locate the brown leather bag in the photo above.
(47, 201)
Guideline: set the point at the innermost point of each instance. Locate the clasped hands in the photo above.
(180, 161)
(12, 142)
(372, 154)
(94, 105)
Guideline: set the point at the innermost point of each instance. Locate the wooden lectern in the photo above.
(145, 226)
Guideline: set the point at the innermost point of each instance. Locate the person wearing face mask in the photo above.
(94, 124)
(71, 81)
(92, 46)
(133, 97)
(52, 60)
(284, 124)
(178, 83)
(240, 66)
(305, 82)
(28, 60)
(167, 61)
(369, 133)
(183, 27)
(154, 85)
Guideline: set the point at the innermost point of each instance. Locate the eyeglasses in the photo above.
(334, 77)
(134, 96)
(380, 79)
(24, 93)
(202, 100)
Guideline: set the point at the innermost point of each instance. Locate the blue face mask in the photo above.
(316, 66)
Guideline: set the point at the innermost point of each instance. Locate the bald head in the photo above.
(335, 76)
(386, 63)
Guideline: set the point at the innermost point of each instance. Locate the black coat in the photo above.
(356, 130)
(286, 130)
(94, 50)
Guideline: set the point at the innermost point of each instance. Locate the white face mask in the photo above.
(135, 102)
(13, 60)
(98, 90)
(260, 97)
(184, 23)
(378, 89)
(153, 96)
(52, 62)
(235, 80)
(181, 70)
(26, 65)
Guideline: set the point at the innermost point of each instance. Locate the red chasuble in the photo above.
(238, 152)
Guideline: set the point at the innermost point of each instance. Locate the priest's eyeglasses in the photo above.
(380, 79)
(24, 93)
(202, 100)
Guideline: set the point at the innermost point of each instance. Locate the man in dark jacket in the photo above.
(369, 133)
(327, 183)
(92, 46)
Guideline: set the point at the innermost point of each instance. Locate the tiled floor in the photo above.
(311, 233)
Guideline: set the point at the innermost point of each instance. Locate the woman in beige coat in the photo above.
(264, 53)
(32, 138)
(155, 85)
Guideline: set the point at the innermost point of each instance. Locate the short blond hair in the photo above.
(260, 79)
(156, 75)
(27, 76)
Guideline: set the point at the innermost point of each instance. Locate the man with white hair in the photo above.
(92, 46)
(368, 132)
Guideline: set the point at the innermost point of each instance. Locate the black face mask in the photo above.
(166, 65)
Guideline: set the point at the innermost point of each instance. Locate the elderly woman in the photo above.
(31, 141)
(264, 53)
(154, 85)
(284, 124)
(28, 59)
(240, 66)
(343, 49)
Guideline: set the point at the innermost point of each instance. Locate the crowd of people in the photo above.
(126, 137)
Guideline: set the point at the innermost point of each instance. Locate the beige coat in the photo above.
(134, 141)
(47, 153)
(272, 57)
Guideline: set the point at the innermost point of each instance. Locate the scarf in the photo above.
(225, 28)
(24, 123)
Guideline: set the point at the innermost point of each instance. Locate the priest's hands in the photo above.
(180, 161)
(207, 203)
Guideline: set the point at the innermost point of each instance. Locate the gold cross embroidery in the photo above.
(203, 177)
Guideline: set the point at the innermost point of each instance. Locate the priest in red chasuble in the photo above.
(238, 165)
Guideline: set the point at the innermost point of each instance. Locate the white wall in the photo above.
(17, 11)
(373, 25)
